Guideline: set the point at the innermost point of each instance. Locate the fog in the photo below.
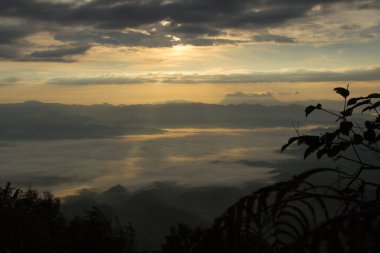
(156, 178)
(190, 157)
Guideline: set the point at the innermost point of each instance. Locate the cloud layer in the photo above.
(371, 74)
(159, 23)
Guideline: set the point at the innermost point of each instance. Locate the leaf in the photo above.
(329, 137)
(353, 101)
(374, 95)
(345, 127)
(357, 139)
(347, 112)
(371, 107)
(375, 105)
(361, 103)
(368, 108)
(377, 138)
(310, 140)
(336, 149)
(290, 141)
(369, 125)
(342, 91)
(310, 109)
(289, 225)
(321, 152)
(370, 136)
(309, 150)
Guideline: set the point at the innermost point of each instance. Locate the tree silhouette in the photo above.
(30, 223)
(181, 239)
(342, 214)
(95, 233)
(33, 223)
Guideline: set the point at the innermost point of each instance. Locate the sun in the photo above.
(180, 50)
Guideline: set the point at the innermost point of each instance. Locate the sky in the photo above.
(148, 51)
(156, 51)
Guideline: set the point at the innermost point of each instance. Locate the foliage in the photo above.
(95, 233)
(181, 239)
(341, 214)
(29, 223)
(350, 138)
(33, 223)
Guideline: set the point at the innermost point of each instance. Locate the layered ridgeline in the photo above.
(36, 120)
(268, 99)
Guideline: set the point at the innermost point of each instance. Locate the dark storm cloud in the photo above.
(118, 14)
(209, 42)
(192, 30)
(196, 18)
(13, 47)
(9, 33)
(134, 23)
(135, 39)
(116, 38)
(9, 51)
(12, 41)
(61, 52)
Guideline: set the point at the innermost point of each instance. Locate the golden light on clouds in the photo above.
(69, 58)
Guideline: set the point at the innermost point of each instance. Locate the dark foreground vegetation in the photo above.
(34, 223)
(321, 210)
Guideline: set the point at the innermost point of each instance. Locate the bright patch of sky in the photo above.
(130, 43)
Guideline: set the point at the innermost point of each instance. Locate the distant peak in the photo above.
(263, 98)
(117, 189)
(33, 102)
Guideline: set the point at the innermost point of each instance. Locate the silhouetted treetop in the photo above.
(33, 223)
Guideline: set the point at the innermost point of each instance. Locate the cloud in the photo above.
(350, 27)
(257, 77)
(290, 76)
(116, 38)
(61, 52)
(101, 80)
(372, 4)
(194, 22)
(9, 51)
(14, 49)
(9, 81)
(194, 30)
(288, 93)
(58, 54)
(12, 33)
(273, 38)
